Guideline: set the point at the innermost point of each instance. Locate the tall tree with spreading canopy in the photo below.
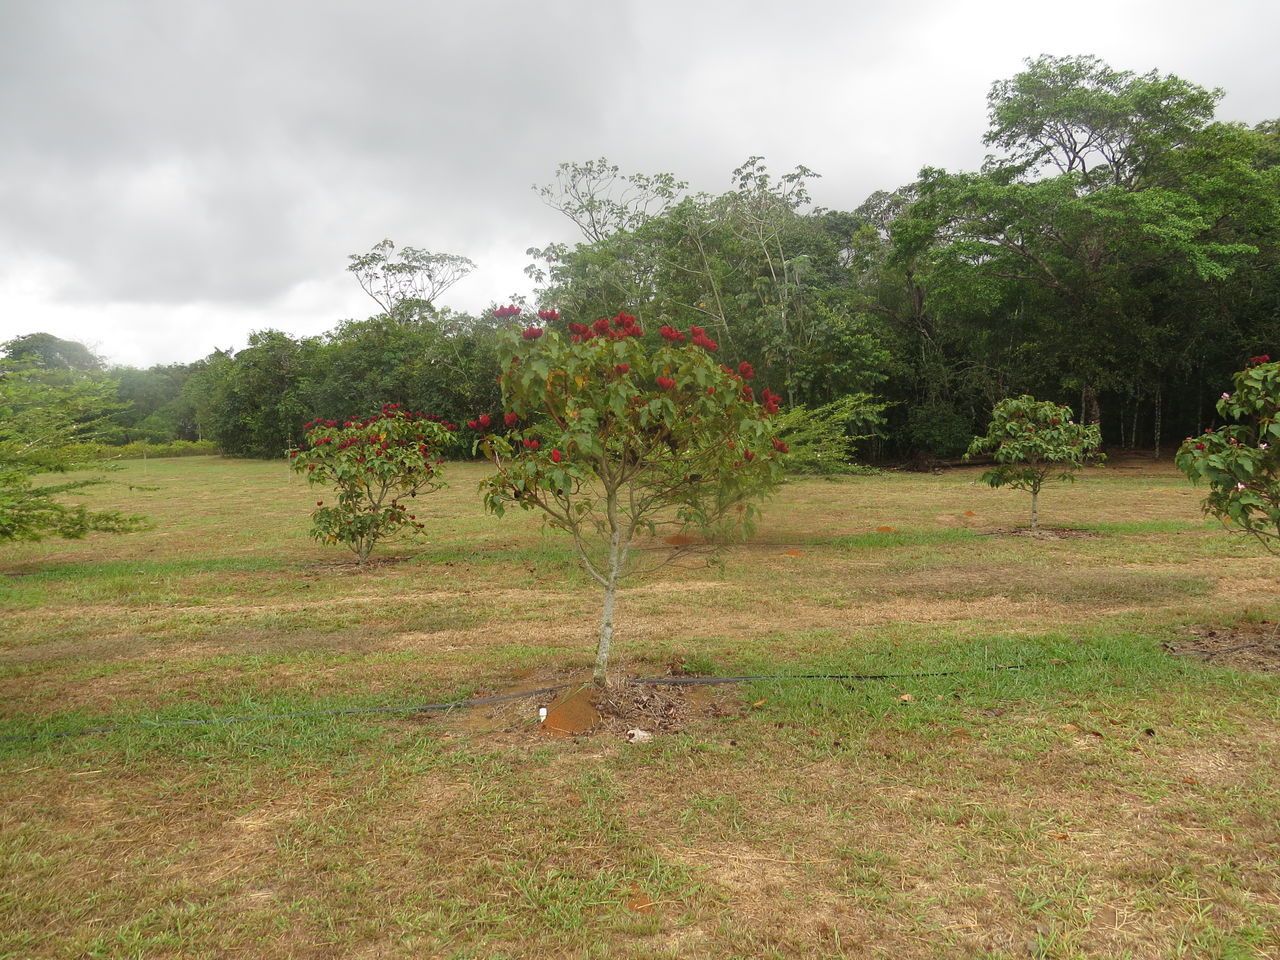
(406, 286)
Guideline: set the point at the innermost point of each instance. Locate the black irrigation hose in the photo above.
(481, 701)
(689, 681)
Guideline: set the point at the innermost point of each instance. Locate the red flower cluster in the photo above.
(666, 383)
(510, 310)
(481, 422)
(532, 333)
(700, 339)
(770, 402)
(530, 444)
(780, 446)
(1257, 361)
(556, 456)
(619, 328)
(510, 419)
(622, 369)
(672, 334)
(549, 316)
(745, 370)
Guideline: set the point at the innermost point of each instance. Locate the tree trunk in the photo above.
(600, 675)
(1159, 425)
(616, 555)
(1089, 409)
(1035, 509)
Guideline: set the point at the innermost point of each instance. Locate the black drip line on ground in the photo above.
(450, 706)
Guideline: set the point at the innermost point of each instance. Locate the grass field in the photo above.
(1047, 782)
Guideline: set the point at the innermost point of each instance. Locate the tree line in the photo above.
(1116, 252)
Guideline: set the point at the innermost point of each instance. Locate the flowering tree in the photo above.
(1241, 461)
(609, 437)
(375, 465)
(1034, 442)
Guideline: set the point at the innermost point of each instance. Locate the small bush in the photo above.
(823, 440)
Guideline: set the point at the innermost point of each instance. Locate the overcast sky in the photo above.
(177, 173)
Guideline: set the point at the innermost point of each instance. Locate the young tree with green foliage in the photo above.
(609, 437)
(1034, 442)
(47, 418)
(375, 465)
(1241, 461)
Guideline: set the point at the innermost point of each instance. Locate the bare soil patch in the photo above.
(575, 708)
(1244, 646)
(1044, 533)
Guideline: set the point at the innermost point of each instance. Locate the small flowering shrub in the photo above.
(1241, 461)
(375, 466)
(609, 434)
(1034, 442)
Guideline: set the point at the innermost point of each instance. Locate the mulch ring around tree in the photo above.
(577, 708)
(1244, 646)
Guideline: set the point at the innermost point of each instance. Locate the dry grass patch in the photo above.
(1102, 800)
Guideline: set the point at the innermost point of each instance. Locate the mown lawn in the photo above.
(1039, 778)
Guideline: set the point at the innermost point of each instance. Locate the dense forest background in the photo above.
(1116, 252)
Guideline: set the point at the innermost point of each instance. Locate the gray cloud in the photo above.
(217, 162)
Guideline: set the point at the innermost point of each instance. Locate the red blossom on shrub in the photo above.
(556, 456)
(601, 326)
(510, 419)
(622, 369)
(550, 316)
(702, 340)
(666, 383)
(530, 444)
(484, 421)
(510, 310)
(671, 333)
(532, 333)
(780, 446)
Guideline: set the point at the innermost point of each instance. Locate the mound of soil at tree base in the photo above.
(1245, 646)
(576, 708)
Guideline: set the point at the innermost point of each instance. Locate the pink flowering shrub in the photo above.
(1241, 461)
